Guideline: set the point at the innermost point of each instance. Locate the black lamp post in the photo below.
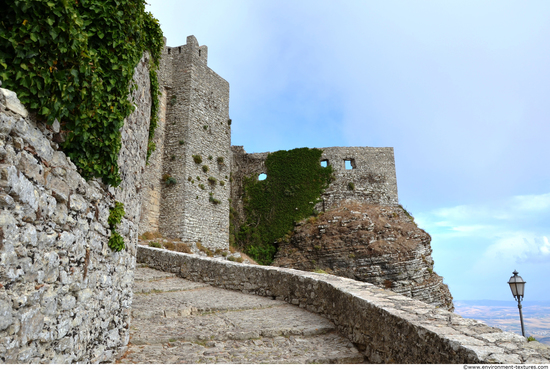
(517, 285)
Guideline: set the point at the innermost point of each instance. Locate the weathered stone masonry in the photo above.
(196, 110)
(65, 297)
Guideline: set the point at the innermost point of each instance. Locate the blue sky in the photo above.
(460, 89)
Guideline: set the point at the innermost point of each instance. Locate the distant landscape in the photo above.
(505, 315)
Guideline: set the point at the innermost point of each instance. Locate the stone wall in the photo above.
(372, 175)
(386, 326)
(243, 165)
(151, 187)
(65, 297)
(197, 124)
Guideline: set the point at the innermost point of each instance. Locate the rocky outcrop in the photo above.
(377, 244)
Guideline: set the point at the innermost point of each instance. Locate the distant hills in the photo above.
(505, 315)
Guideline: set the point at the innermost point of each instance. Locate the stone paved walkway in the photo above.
(178, 321)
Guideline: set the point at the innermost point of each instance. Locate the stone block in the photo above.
(77, 203)
(6, 124)
(32, 322)
(68, 302)
(31, 168)
(6, 316)
(6, 218)
(59, 159)
(59, 188)
(22, 188)
(13, 103)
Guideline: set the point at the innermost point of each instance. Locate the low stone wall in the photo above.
(386, 326)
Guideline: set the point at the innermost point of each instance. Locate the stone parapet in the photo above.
(386, 326)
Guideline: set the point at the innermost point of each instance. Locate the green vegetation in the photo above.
(204, 249)
(169, 180)
(351, 186)
(295, 180)
(214, 200)
(116, 241)
(209, 157)
(410, 216)
(219, 160)
(233, 259)
(148, 235)
(205, 168)
(74, 61)
(212, 180)
(182, 142)
(197, 158)
(154, 244)
(531, 339)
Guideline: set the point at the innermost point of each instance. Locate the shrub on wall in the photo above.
(295, 180)
(74, 61)
(116, 241)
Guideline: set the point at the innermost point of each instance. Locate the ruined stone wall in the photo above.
(373, 175)
(243, 165)
(196, 113)
(387, 327)
(65, 297)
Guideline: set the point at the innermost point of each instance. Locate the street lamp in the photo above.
(517, 285)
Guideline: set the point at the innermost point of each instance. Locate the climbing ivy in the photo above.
(116, 241)
(73, 60)
(295, 180)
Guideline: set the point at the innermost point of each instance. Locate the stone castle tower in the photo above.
(189, 171)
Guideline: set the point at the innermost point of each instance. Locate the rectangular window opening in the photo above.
(349, 164)
(324, 163)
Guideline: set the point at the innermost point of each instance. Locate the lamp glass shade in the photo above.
(517, 285)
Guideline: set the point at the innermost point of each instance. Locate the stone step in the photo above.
(180, 321)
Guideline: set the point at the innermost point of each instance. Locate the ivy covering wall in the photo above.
(295, 181)
(73, 60)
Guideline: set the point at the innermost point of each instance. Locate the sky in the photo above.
(459, 89)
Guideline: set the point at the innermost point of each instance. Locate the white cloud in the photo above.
(489, 220)
(532, 203)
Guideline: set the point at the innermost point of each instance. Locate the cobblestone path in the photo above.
(177, 321)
